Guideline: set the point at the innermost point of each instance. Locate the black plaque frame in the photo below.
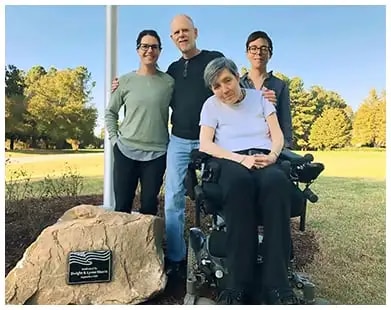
(89, 267)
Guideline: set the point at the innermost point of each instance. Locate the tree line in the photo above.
(49, 108)
(322, 120)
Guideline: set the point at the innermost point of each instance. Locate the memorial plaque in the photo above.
(89, 267)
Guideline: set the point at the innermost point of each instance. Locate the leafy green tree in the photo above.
(16, 116)
(59, 103)
(14, 81)
(369, 121)
(307, 106)
(380, 121)
(363, 131)
(243, 71)
(32, 77)
(349, 112)
(15, 108)
(331, 130)
(303, 110)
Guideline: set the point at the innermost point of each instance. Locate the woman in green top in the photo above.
(140, 141)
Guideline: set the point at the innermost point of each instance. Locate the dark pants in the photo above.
(127, 173)
(251, 196)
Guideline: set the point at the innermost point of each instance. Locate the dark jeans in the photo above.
(127, 173)
(251, 196)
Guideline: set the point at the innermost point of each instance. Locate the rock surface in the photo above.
(135, 240)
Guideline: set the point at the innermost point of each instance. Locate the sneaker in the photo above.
(231, 297)
(281, 296)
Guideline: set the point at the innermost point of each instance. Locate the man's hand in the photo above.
(269, 95)
(115, 84)
(262, 160)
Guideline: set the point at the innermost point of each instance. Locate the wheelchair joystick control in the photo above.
(308, 157)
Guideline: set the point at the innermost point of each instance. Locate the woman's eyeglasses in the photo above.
(145, 47)
(263, 49)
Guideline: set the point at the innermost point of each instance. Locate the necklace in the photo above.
(242, 95)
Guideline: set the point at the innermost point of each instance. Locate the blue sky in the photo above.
(341, 48)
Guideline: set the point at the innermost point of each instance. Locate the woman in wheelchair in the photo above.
(240, 130)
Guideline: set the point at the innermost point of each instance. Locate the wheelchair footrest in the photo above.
(189, 299)
(191, 286)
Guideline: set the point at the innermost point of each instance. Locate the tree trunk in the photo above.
(34, 144)
(12, 143)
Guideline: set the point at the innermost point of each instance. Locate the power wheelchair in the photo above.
(206, 252)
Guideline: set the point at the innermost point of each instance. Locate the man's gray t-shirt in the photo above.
(241, 126)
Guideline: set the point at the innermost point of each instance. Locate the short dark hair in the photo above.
(260, 35)
(148, 32)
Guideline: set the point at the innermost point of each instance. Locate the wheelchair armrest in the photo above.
(295, 159)
(197, 158)
(304, 170)
(190, 182)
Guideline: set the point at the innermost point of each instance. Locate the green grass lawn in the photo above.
(349, 219)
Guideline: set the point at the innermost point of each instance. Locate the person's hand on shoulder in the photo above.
(114, 84)
(269, 95)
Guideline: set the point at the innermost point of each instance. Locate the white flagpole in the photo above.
(111, 72)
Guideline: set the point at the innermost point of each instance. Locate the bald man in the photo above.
(189, 95)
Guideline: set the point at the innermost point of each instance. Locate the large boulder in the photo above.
(135, 241)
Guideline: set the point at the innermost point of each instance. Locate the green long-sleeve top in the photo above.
(146, 99)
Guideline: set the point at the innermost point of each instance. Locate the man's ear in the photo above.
(196, 33)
